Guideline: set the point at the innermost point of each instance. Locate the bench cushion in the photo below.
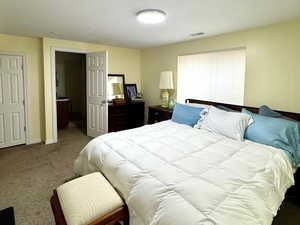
(87, 198)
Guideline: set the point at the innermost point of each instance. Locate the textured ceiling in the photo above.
(114, 22)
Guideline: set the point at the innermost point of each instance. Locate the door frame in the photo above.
(53, 87)
(28, 139)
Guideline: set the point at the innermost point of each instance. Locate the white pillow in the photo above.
(229, 124)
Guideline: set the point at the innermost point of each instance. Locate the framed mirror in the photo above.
(115, 86)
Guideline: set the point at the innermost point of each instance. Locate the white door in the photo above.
(12, 122)
(96, 77)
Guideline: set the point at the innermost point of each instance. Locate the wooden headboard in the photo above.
(295, 116)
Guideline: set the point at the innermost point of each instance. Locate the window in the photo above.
(215, 76)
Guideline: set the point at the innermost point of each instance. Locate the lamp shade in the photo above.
(116, 89)
(166, 80)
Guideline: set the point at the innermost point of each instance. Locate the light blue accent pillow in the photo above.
(267, 111)
(276, 132)
(185, 114)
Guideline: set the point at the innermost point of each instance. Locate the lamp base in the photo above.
(165, 99)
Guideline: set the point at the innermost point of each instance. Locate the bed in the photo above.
(172, 174)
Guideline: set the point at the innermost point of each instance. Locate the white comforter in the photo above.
(172, 174)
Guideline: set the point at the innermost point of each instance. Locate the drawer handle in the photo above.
(156, 113)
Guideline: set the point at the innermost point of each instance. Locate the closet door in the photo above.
(12, 121)
(96, 81)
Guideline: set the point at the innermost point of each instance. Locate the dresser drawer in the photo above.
(125, 116)
(118, 111)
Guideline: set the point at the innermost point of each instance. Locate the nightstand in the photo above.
(157, 113)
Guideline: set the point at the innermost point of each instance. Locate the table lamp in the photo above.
(166, 83)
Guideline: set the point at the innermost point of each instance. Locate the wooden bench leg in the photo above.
(120, 214)
(57, 211)
(126, 220)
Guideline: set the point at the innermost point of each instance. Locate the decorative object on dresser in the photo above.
(165, 83)
(115, 88)
(125, 116)
(138, 98)
(158, 113)
(172, 101)
(130, 91)
(118, 101)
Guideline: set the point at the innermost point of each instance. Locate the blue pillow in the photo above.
(267, 111)
(185, 114)
(276, 132)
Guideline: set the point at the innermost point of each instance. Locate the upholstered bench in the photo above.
(88, 200)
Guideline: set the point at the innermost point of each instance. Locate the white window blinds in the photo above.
(214, 76)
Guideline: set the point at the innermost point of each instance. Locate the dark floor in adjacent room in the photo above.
(28, 174)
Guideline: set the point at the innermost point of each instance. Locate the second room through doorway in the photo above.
(70, 91)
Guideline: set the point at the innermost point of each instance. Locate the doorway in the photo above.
(93, 91)
(70, 71)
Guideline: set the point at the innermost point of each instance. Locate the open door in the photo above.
(96, 80)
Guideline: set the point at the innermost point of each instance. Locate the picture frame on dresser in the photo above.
(116, 88)
(130, 91)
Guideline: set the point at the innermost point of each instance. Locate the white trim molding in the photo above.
(50, 141)
(35, 141)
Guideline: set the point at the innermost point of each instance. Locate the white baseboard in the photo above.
(34, 141)
(50, 141)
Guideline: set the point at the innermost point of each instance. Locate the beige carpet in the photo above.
(28, 174)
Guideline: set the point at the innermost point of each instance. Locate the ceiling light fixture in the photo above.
(151, 16)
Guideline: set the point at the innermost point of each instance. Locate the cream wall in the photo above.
(120, 61)
(32, 48)
(272, 73)
(272, 70)
(38, 69)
